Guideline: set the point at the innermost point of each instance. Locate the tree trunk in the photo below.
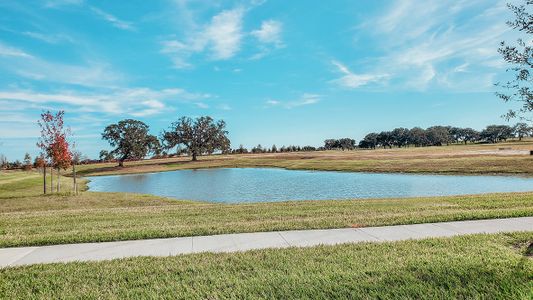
(52, 180)
(44, 179)
(58, 180)
(121, 163)
(194, 156)
(74, 178)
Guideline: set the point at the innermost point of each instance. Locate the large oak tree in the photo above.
(199, 136)
(130, 139)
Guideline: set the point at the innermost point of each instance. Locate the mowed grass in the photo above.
(468, 267)
(504, 158)
(27, 218)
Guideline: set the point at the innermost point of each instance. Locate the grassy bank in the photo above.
(505, 158)
(27, 218)
(470, 267)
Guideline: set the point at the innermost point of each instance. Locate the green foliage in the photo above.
(497, 133)
(520, 58)
(130, 139)
(199, 136)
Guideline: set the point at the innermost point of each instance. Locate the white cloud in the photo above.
(151, 107)
(221, 37)
(201, 105)
(48, 38)
(90, 74)
(224, 107)
(273, 102)
(225, 33)
(421, 44)
(124, 101)
(305, 99)
(56, 3)
(112, 19)
(269, 33)
(11, 51)
(352, 80)
(269, 37)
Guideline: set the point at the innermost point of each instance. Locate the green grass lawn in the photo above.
(468, 267)
(27, 218)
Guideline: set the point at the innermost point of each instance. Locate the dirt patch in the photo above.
(504, 152)
(529, 250)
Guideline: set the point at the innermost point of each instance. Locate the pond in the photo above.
(236, 185)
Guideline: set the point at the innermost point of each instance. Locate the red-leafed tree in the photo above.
(54, 144)
(61, 157)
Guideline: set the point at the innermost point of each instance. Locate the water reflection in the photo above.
(265, 185)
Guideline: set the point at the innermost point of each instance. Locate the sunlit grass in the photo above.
(469, 267)
(28, 218)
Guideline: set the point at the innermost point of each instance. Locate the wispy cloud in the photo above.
(123, 101)
(118, 23)
(224, 106)
(421, 44)
(201, 105)
(352, 80)
(304, 100)
(26, 65)
(57, 3)
(269, 32)
(6, 50)
(48, 38)
(268, 37)
(112, 19)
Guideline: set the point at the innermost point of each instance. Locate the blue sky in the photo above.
(278, 72)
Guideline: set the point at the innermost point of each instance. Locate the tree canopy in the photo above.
(131, 140)
(520, 57)
(199, 136)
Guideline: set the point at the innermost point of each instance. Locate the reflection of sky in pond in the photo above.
(265, 185)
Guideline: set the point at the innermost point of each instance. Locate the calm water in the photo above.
(266, 185)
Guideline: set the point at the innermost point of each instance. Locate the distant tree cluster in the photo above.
(404, 137)
(340, 144)
(443, 135)
(273, 149)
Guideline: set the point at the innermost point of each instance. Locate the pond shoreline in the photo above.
(245, 185)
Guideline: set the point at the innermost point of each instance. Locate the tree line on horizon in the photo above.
(404, 137)
(443, 135)
(204, 136)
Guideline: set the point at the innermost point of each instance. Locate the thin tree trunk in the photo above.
(74, 176)
(52, 180)
(44, 179)
(194, 156)
(58, 180)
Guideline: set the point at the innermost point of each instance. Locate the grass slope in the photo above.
(26, 218)
(455, 159)
(469, 267)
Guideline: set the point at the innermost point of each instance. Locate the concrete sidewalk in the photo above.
(256, 240)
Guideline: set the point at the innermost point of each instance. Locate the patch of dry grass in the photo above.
(455, 159)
